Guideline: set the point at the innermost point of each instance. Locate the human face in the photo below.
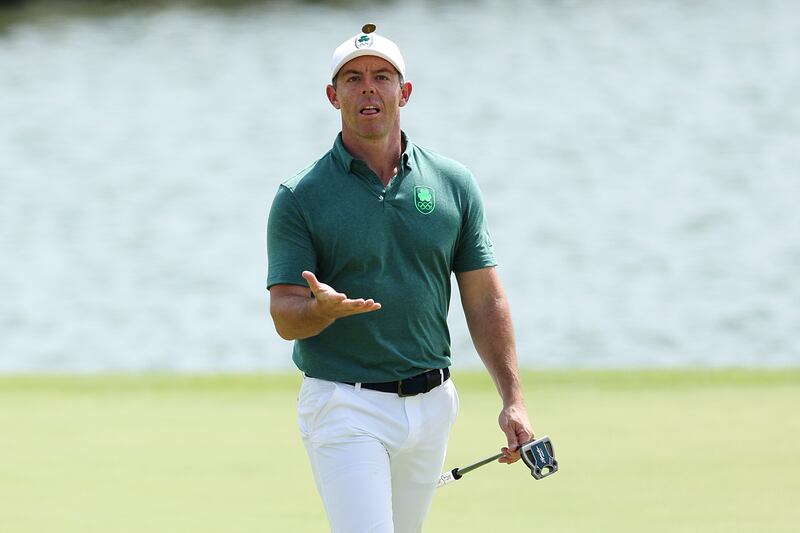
(369, 95)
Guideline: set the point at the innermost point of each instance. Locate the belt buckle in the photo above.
(401, 392)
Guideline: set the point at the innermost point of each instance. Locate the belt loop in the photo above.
(441, 376)
(358, 387)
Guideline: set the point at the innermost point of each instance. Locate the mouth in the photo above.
(369, 110)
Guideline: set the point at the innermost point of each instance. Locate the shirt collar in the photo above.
(405, 157)
(341, 154)
(346, 160)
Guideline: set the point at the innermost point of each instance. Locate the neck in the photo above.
(382, 155)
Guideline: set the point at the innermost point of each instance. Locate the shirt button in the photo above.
(380, 197)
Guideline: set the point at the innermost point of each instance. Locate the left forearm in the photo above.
(492, 331)
(489, 319)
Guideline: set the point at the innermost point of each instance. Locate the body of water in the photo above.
(639, 162)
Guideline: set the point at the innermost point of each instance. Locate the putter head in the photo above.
(539, 457)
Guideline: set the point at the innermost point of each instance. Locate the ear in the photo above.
(405, 93)
(331, 92)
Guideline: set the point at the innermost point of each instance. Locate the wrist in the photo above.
(514, 402)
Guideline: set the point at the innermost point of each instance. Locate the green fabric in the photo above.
(335, 219)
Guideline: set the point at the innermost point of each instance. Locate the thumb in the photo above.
(313, 282)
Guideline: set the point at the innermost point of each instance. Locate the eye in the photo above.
(352, 78)
(383, 77)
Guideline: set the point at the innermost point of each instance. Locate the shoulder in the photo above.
(296, 194)
(311, 176)
(452, 175)
(444, 165)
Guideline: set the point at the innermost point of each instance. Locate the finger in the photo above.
(361, 306)
(361, 302)
(508, 457)
(510, 454)
(525, 435)
(511, 435)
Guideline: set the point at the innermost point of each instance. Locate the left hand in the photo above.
(516, 425)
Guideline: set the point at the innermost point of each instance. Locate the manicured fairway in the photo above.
(639, 451)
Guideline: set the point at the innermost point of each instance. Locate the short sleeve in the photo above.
(290, 249)
(474, 249)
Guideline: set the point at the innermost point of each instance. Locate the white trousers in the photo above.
(376, 456)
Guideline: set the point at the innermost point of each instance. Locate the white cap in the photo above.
(367, 43)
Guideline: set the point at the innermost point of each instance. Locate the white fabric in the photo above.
(376, 457)
(379, 46)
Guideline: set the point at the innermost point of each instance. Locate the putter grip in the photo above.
(448, 477)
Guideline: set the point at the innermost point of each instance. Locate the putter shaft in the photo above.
(458, 472)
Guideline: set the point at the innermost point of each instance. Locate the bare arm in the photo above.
(297, 315)
(489, 320)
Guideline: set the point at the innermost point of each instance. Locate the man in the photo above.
(361, 248)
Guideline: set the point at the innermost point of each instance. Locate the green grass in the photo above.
(661, 451)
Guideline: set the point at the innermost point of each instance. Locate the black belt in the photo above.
(412, 386)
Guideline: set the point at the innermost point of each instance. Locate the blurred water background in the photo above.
(639, 162)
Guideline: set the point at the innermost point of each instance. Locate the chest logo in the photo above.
(424, 199)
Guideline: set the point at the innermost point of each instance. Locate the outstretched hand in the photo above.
(332, 304)
(516, 425)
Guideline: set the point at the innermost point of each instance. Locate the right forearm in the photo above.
(295, 317)
(299, 315)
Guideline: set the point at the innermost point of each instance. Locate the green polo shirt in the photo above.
(397, 244)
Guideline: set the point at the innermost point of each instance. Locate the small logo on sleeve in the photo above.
(424, 199)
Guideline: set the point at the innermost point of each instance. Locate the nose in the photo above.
(368, 91)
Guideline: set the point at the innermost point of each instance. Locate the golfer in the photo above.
(361, 247)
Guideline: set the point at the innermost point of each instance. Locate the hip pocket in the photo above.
(314, 398)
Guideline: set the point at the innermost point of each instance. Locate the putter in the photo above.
(537, 455)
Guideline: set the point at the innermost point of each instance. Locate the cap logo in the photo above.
(364, 41)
